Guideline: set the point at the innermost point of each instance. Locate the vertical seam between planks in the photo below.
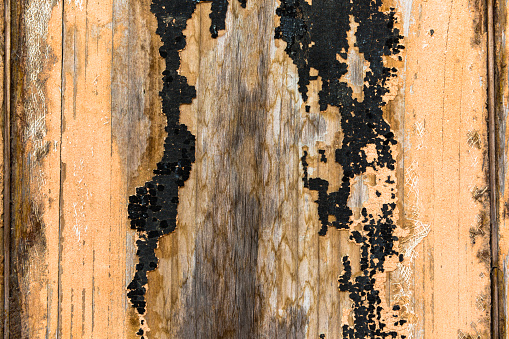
(7, 162)
(492, 173)
(60, 197)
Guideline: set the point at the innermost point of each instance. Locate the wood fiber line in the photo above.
(5, 75)
(235, 269)
(501, 95)
(6, 156)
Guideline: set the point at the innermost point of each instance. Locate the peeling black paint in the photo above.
(153, 209)
(316, 37)
(323, 158)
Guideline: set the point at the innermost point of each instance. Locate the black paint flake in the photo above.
(316, 35)
(153, 209)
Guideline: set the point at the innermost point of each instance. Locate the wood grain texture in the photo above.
(246, 259)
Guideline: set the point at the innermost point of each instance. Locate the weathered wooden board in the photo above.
(445, 170)
(311, 169)
(35, 126)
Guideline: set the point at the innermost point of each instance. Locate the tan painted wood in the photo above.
(445, 164)
(90, 173)
(246, 256)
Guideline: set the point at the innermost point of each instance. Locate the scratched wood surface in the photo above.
(246, 258)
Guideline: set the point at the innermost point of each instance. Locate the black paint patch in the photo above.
(305, 164)
(153, 209)
(316, 37)
(323, 158)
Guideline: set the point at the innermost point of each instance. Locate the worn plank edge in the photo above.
(7, 163)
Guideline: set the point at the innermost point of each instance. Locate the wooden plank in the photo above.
(36, 122)
(445, 161)
(92, 238)
(137, 121)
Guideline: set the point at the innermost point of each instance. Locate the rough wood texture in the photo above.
(36, 130)
(246, 258)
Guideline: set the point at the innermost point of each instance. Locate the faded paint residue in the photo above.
(37, 15)
(405, 6)
(77, 3)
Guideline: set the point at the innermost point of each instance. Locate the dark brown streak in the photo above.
(492, 172)
(61, 173)
(7, 162)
